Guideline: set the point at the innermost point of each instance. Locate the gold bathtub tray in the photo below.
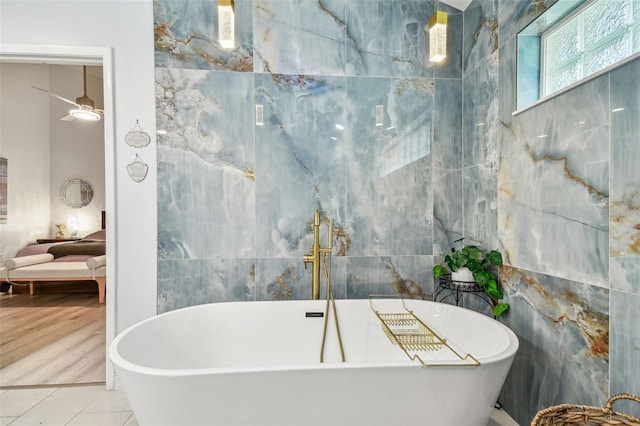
(417, 339)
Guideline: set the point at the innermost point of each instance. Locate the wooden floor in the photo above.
(51, 339)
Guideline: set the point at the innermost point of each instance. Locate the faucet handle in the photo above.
(307, 259)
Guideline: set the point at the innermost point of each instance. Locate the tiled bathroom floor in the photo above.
(92, 406)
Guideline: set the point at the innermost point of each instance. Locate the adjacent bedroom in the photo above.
(52, 225)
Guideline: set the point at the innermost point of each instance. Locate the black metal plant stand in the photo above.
(449, 288)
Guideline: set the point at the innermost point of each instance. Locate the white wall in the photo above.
(24, 141)
(77, 147)
(126, 27)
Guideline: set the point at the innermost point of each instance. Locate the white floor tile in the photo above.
(107, 401)
(132, 421)
(4, 421)
(60, 407)
(16, 402)
(113, 418)
(501, 418)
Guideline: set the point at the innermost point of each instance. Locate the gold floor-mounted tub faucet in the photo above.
(317, 253)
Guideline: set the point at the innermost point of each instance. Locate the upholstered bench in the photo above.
(41, 268)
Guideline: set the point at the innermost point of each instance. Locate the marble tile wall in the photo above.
(624, 233)
(565, 195)
(255, 138)
(235, 199)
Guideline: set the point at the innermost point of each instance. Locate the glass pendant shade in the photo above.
(226, 24)
(84, 114)
(438, 36)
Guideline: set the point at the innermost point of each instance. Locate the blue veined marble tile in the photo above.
(206, 190)
(208, 113)
(186, 36)
(563, 329)
(204, 211)
(299, 159)
(554, 186)
(624, 272)
(386, 38)
(406, 276)
(507, 69)
(447, 209)
(447, 131)
(481, 33)
(480, 125)
(300, 36)
(287, 279)
(480, 205)
(388, 166)
(183, 283)
(516, 15)
(624, 224)
(625, 352)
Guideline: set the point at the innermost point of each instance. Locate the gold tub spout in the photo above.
(316, 251)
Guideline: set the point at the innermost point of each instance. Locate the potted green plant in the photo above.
(478, 262)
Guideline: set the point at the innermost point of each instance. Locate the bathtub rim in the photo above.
(119, 361)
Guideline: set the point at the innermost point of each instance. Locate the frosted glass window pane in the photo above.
(603, 18)
(563, 44)
(564, 76)
(595, 37)
(610, 53)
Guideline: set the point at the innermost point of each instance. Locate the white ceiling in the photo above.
(458, 4)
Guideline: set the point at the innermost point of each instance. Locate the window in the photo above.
(597, 35)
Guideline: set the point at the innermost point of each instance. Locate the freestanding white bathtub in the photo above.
(258, 363)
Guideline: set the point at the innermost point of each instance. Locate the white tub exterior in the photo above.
(257, 364)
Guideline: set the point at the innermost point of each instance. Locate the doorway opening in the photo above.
(79, 57)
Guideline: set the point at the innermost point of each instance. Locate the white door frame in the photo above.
(92, 55)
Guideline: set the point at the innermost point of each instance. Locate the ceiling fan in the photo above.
(84, 106)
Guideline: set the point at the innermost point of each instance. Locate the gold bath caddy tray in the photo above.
(414, 337)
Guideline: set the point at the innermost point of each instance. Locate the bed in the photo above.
(80, 260)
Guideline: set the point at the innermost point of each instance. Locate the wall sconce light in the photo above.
(226, 24)
(438, 36)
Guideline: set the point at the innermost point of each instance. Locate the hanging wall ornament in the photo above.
(138, 169)
(137, 137)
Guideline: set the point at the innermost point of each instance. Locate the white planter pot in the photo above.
(462, 274)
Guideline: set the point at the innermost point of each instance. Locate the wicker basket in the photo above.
(570, 414)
